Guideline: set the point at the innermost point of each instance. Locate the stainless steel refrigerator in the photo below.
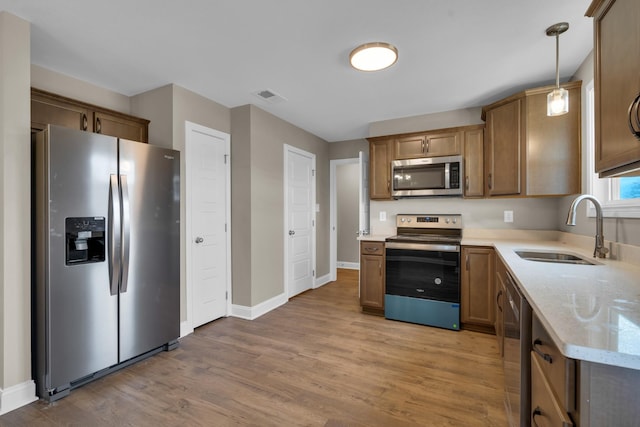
(106, 270)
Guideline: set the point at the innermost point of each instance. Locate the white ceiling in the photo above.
(452, 53)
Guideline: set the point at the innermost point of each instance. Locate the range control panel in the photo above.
(429, 221)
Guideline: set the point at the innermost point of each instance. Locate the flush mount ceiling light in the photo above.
(373, 56)
(558, 99)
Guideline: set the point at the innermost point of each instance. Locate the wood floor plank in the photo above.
(316, 361)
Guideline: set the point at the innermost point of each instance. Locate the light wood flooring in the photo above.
(316, 361)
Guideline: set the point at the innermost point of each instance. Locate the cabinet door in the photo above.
(477, 298)
(443, 144)
(409, 147)
(474, 163)
(121, 127)
(617, 82)
(372, 281)
(380, 170)
(49, 110)
(504, 161)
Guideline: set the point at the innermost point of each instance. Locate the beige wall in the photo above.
(446, 119)
(15, 178)
(70, 87)
(265, 245)
(347, 212)
(622, 230)
(347, 149)
(241, 208)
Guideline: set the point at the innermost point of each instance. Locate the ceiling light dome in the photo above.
(373, 56)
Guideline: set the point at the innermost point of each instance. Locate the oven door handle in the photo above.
(422, 246)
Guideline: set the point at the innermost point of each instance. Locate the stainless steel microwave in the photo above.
(429, 176)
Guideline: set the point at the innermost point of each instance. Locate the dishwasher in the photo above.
(517, 361)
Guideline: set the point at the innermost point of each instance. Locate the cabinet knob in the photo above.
(546, 357)
(634, 110)
(489, 182)
(98, 126)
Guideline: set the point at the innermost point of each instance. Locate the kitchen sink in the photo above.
(556, 257)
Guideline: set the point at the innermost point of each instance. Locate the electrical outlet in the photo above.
(383, 216)
(508, 216)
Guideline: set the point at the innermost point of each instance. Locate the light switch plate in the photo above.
(508, 216)
(383, 216)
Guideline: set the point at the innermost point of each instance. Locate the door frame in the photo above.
(186, 326)
(333, 214)
(291, 149)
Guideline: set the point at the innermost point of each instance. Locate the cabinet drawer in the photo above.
(372, 248)
(546, 411)
(559, 370)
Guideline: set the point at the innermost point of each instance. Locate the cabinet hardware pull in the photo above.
(380, 268)
(422, 145)
(498, 299)
(388, 185)
(635, 106)
(466, 183)
(467, 262)
(427, 146)
(489, 181)
(84, 122)
(371, 249)
(536, 412)
(98, 126)
(545, 356)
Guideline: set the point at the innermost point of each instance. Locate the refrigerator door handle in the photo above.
(114, 235)
(126, 232)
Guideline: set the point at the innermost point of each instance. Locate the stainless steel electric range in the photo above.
(423, 270)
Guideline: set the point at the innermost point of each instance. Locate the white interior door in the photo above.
(300, 220)
(363, 163)
(208, 248)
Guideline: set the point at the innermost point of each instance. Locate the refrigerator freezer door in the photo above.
(78, 334)
(150, 303)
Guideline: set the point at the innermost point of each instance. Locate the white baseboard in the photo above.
(348, 265)
(185, 329)
(251, 313)
(16, 396)
(321, 281)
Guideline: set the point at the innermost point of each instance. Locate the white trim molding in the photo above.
(322, 280)
(16, 396)
(252, 313)
(349, 265)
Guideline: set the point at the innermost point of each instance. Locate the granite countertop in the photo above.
(592, 312)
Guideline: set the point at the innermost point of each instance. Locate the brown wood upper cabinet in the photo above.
(380, 156)
(473, 149)
(528, 153)
(617, 85)
(49, 108)
(432, 144)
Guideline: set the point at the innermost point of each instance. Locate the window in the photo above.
(620, 197)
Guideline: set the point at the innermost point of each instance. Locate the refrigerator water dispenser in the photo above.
(84, 240)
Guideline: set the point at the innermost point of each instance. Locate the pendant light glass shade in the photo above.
(373, 56)
(558, 102)
(558, 99)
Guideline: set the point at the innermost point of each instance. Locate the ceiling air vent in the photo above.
(270, 96)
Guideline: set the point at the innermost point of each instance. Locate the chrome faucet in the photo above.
(599, 250)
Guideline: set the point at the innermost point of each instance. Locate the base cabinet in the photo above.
(372, 273)
(477, 309)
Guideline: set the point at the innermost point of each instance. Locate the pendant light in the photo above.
(373, 56)
(558, 99)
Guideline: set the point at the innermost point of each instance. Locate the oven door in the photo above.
(420, 270)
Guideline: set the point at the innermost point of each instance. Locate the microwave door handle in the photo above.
(447, 175)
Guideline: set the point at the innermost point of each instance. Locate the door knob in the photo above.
(199, 240)
(291, 232)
